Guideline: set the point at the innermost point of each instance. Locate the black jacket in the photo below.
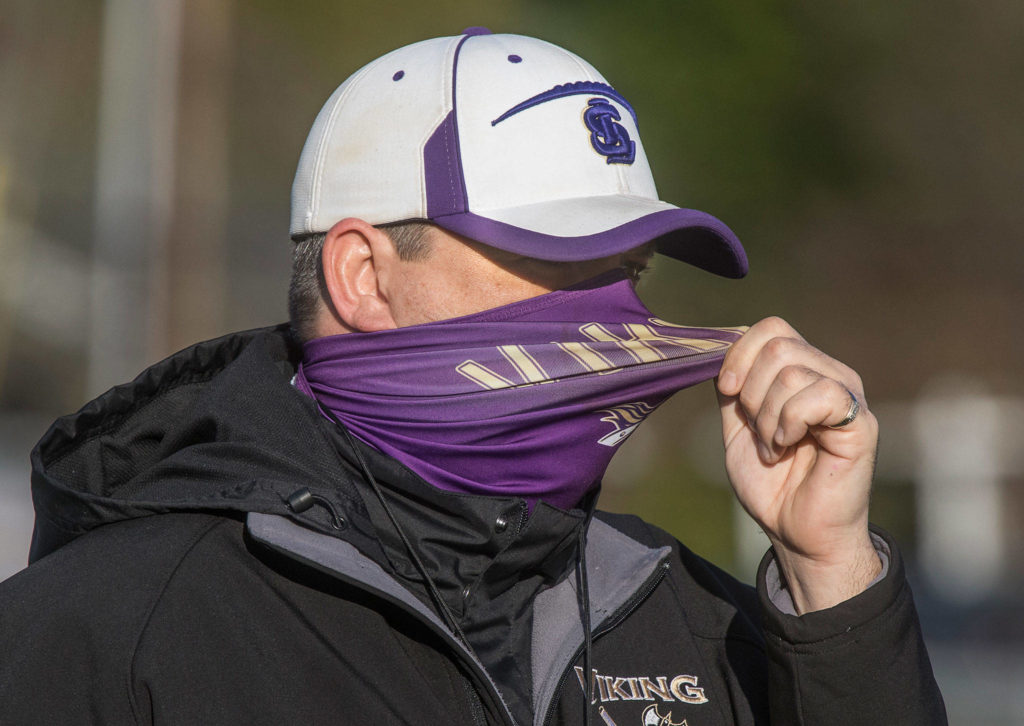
(173, 582)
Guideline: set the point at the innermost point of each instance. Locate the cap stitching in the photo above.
(449, 86)
(448, 161)
(460, 194)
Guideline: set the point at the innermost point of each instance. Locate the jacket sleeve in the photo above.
(861, 662)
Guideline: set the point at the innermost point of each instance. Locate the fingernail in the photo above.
(727, 382)
(764, 451)
(779, 436)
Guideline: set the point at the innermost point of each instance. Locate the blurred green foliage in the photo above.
(673, 495)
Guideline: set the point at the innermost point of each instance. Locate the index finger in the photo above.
(742, 354)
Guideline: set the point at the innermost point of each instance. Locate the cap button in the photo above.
(476, 30)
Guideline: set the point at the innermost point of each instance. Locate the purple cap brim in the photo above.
(689, 235)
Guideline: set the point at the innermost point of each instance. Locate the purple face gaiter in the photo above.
(530, 399)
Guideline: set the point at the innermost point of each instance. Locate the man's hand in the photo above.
(805, 484)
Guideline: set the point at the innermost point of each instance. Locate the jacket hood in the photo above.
(215, 427)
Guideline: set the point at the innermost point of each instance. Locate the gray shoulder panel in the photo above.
(343, 560)
(334, 555)
(617, 567)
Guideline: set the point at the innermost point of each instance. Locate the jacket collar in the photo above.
(469, 544)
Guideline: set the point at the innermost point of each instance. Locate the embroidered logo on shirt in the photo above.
(652, 717)
(682, 688)
(664, 690)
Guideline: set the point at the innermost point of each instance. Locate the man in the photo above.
(395, 523)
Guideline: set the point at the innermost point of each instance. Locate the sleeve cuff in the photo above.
(779, 595)
(778, 614)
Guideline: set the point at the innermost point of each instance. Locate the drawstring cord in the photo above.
(442, 607)
(584, 603)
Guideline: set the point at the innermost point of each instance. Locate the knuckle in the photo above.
(774, 322)
(778, 327)
(778, 348)
(794, 376)
(834, 389)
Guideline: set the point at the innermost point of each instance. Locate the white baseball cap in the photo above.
(505, 139)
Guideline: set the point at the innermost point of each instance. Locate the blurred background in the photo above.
(870, 154)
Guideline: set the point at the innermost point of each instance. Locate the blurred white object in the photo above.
(962, 434)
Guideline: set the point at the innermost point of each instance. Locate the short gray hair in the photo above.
(307, 292)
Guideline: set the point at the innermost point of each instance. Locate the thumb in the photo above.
(733, 418)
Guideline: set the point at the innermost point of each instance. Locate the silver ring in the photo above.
(851, 414)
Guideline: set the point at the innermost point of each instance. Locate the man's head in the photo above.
(513, 149)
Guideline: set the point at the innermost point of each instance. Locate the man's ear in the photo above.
(355, 253)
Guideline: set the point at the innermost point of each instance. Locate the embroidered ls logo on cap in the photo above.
(505, 139)
(609, 138)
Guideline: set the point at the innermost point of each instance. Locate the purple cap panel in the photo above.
(442, 159)
(446, 190)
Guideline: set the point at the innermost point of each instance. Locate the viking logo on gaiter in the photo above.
(624, 419)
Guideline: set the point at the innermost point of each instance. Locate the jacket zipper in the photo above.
(645, 590)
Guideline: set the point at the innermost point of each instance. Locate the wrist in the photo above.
(816, 583)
